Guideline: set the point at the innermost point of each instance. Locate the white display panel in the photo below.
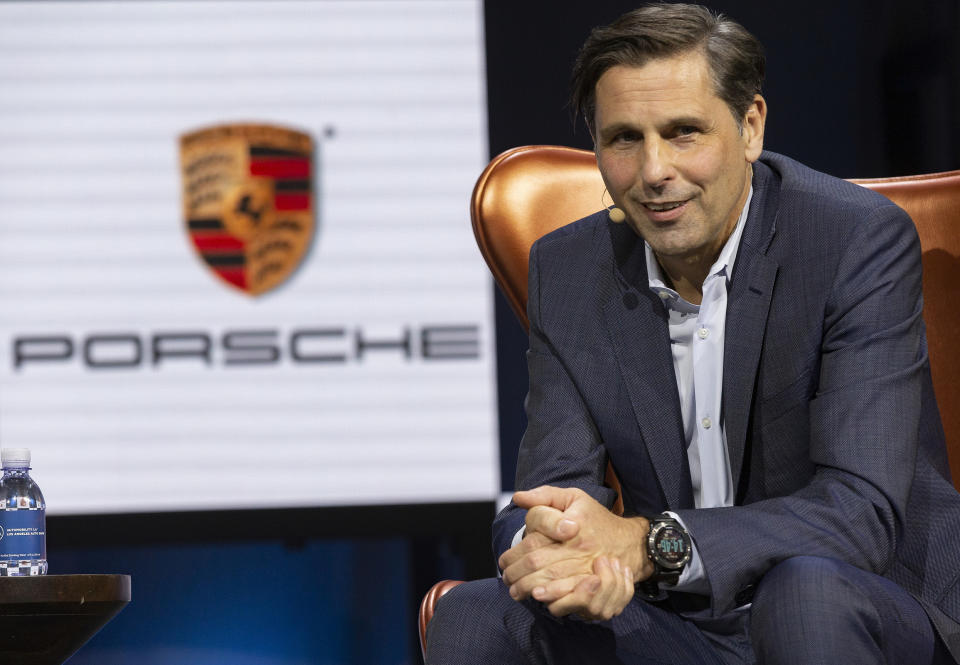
(140, 380)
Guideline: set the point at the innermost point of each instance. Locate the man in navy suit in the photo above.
(741, 338)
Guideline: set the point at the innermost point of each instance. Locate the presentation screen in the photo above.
(236, 265)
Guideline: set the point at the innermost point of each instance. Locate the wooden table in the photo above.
(45, 619)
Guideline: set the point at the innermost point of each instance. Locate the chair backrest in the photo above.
(523, 194)
(527, 192)
(933, 202)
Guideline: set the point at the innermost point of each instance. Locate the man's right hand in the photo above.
(577, 556)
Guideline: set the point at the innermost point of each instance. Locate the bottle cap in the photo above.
(15, 458)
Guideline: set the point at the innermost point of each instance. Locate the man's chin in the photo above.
(667, 247)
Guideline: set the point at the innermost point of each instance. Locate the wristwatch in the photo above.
(668, 546)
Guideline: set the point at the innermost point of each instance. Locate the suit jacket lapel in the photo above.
(748, 304)
(637, 324)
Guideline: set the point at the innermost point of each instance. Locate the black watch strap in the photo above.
(670, 577)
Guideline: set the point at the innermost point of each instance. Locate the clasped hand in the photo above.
(576, 557)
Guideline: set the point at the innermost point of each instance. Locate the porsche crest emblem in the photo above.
(248, 201)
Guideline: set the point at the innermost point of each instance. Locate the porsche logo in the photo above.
(248, 201)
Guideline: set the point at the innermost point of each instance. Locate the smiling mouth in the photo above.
(663, 207)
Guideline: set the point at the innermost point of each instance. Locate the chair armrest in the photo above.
(428, 605)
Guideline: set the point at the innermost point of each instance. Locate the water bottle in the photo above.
(23, 525)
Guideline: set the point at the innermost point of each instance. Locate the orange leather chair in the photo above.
(527, 192)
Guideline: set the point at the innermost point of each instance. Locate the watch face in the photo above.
(671, 546)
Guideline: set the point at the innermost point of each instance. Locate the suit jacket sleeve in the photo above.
(561, 445)
(859, 431)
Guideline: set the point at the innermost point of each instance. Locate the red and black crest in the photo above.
(248, 201)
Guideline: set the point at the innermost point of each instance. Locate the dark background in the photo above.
(857, 89)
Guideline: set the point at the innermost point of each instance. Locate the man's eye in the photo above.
(625, 137)
(685, 130)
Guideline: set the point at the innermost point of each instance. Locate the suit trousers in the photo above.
(806, 610)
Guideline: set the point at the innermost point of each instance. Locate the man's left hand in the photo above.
(577, 559)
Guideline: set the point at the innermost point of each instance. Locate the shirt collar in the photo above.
(723, 264)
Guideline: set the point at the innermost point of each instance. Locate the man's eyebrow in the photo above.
(679, 121)
(615, 128)
(686, 121)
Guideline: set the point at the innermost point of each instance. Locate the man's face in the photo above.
(672, 156)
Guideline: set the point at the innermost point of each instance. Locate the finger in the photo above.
(628, 590)
(557, 589)
(622, 592)
(616, 600)
(578, 599)
(524, 559)
(532, 541)
(604, 602)
(551, 522)
(599, 597)
(545, 495)
(522, 586)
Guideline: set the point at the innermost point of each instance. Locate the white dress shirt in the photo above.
(696, 340)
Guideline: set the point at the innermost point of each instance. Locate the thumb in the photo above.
(551, 522)
(545, 511)
(555, 497)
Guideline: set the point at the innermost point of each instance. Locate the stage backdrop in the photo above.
(236, 267)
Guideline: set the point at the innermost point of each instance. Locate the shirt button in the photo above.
(664, 295)
(706, 422)
(703, 333)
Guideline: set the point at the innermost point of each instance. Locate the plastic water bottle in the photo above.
(23, 524)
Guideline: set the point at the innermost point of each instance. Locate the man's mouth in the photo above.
(663, 207)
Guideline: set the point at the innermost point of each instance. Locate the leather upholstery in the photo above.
(523, 194)
(933, 202)
(429, 603)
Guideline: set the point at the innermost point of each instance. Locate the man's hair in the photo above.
(735, 57)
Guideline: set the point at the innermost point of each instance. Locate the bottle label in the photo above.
(22, 535)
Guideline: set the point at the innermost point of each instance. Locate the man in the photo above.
(748, 352)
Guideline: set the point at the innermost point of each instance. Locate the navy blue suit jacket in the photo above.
(834, 437)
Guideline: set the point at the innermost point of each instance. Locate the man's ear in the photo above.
(753, 124)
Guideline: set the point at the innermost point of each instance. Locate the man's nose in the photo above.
(657, 167)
